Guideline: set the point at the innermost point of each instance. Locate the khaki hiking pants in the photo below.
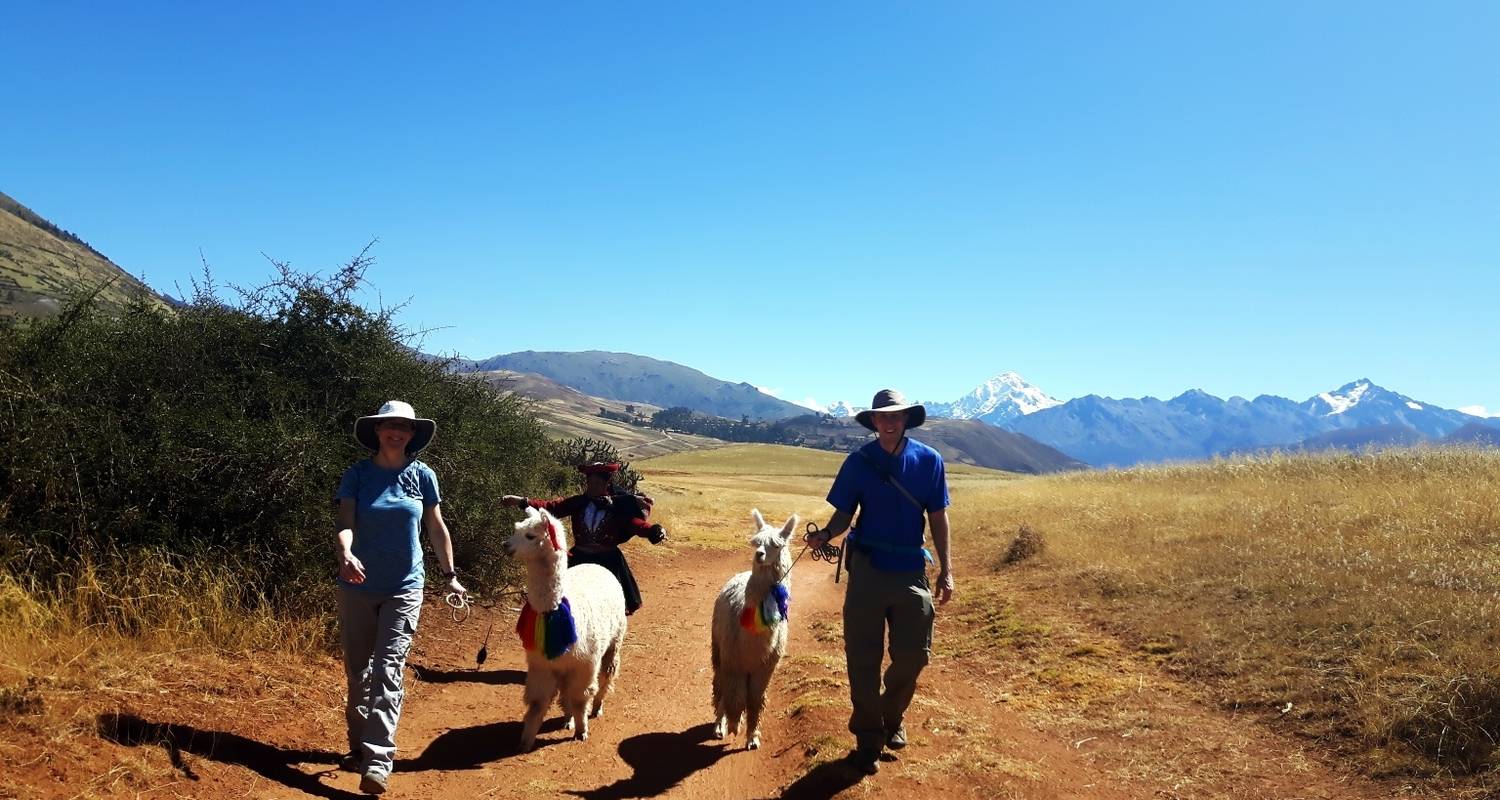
(376, 630)
(874, 601)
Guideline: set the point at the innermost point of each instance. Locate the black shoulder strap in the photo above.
(886, 476)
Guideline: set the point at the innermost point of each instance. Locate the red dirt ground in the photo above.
(270, 728)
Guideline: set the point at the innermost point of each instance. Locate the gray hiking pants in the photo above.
(875, 599)
(376, 630)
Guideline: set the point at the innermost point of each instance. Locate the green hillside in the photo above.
(42, 265)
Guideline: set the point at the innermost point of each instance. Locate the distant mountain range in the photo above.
(1195, 425)
(638, 379)
(41, 265)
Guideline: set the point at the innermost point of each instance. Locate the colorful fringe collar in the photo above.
(773, 609)
(553, 632)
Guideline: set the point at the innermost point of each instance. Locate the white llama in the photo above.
(749, 632)
(573, 627)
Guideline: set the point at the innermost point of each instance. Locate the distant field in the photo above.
(706, 495)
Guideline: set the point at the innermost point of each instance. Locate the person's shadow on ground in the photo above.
(267, 760)
(477, 745)
(494, 677)
(661, 761)
(823, 781)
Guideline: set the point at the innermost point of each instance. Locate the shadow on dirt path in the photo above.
(269, 761)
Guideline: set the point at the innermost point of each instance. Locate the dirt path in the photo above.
(972, 736)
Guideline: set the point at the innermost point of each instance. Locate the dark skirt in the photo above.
(614, 561)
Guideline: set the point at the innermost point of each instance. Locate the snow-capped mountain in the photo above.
(1362, 404)
(1107, 432)
(842, 409)
(1001, 398)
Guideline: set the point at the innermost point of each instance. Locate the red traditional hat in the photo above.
(599, 468)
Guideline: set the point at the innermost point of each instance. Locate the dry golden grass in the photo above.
(1360, 589)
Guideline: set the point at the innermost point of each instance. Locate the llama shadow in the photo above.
(661, 761)
(269, 761)
(823, 782)
(475, 746)
(494, 677)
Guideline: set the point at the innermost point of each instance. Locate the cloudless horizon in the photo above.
(819, 199)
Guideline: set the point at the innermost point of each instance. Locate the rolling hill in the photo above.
(42, 265)
(637, 379)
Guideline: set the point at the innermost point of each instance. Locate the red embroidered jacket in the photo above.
(612, 530)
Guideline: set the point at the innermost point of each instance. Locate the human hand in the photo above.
(658, 534)
(350, 568)
(945, 588)
(817, 539)
(455, 587)
(512, 501)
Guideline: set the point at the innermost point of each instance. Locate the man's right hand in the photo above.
(816, 541)
(350, 568)
(512, 501)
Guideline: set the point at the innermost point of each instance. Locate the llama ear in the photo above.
(552, 533)
(786, 530)
(760, 522)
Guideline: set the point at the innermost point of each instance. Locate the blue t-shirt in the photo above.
(890, 527)
(388, 506)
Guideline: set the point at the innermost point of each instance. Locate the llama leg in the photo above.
(541, 687)
(721, 721)
(736, 686)
(759, 680)
(608, 669)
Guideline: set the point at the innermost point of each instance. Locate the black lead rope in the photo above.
(828, 552)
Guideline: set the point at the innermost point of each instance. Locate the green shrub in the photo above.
(218, 431)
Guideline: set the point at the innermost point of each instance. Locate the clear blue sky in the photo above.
(821, 198)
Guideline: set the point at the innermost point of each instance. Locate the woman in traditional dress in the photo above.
(601, 519)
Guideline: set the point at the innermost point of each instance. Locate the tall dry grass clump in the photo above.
(1355, 596)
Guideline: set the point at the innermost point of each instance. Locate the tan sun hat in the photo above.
(425, 429)
(892, 400)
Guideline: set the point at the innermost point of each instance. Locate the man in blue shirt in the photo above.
(899, 486)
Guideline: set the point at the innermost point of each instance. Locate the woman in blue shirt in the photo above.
(385, 501)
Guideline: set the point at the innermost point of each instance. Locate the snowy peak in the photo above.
(1345, 397)
(1005, 396)
(842, 409)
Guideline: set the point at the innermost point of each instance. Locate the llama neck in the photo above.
(544, 583)
(759, 585)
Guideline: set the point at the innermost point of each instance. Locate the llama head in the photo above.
(773, 556)
(539, 536)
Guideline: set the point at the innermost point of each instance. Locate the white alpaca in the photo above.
(581, 675)
(749, 632)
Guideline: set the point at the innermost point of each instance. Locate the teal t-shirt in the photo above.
(388, 506)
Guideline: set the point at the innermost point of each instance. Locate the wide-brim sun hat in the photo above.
(424, 429)
(892, 400)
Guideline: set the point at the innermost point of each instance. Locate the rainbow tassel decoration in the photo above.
(773, 609)
(554, 632)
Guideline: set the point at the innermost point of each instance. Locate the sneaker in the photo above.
(373, 783)
(866, 761)
(896, 739)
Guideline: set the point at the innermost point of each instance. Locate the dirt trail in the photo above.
(460, 726)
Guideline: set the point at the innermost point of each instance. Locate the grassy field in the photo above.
(1351, 600)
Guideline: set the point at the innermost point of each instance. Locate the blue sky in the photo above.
(819, 198)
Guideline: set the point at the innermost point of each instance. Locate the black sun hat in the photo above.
(892, 400)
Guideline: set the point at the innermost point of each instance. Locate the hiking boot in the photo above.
(896, 739)
(865, 761)
(373, 783)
